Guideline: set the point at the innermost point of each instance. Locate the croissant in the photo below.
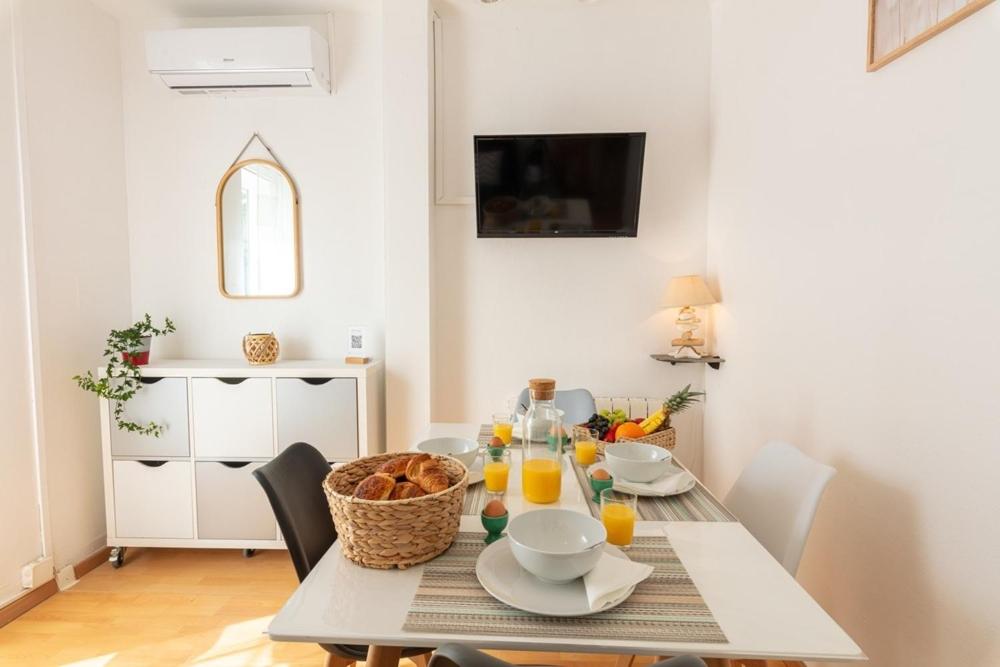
(375, 487)
(433, 479)
(417, 464)
(406, 490)
(395, 468)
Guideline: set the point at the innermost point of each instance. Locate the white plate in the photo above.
(476, 472)
(674, 470)
(503, 578)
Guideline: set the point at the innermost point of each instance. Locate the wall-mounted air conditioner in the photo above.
(233, 60)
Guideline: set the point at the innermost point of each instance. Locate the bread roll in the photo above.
(406, 490)
(375, 487)
(396, 468)
(417, 465)
(433, 479)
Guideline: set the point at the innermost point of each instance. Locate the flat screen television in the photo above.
(549, 185)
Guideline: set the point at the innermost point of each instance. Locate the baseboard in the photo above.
(91, 561)
(39, 595)
(30, 599)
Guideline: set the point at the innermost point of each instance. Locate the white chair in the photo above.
(578, 404)
(776, 498)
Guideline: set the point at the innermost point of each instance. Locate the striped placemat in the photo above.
(666, 607)
(695, 505)
(486, 434)
(476, 498)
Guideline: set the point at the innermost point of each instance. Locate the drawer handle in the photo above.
(316, 381)
(235, 464)
(231, 380)
(152, 464)
(146, 380)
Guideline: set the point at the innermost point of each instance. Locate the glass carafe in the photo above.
(541, 442)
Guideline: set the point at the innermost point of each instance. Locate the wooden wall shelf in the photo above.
(714, 362)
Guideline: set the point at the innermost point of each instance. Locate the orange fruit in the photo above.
(629, 430)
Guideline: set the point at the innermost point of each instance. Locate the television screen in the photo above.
(558, 184)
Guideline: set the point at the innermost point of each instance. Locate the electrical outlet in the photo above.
(37, 572)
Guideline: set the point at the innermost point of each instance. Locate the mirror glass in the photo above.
(257, 209)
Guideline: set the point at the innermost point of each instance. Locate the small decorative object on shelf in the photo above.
(126, 350)
(714, 362)
(260, 349)
(686, 292)
(357, 346)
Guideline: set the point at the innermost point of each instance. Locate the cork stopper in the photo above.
(542, 389)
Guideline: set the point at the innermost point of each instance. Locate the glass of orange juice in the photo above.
(503, 426)
(618, 516)
(585, 445)
(496, 470)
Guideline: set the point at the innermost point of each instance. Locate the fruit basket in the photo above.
(383, 534)
(667, 438)
(615, 426)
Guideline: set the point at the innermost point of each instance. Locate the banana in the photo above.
(653, 421)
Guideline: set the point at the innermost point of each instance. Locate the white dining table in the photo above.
(763, 611)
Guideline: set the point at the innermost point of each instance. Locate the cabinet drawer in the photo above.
(153, 499)
(231, 504)
(161, 400)
(232, 417)
(320, 411)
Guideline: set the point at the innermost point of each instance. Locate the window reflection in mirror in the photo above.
(258, 231)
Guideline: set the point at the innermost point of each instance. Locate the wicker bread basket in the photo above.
(383, 534)
(667, 438)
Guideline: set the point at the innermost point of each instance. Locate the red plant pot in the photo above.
(141, 356)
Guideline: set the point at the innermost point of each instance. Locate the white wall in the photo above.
(77, 219)
(853, 233)
(177, 149)
(20, 514)
(585, 311)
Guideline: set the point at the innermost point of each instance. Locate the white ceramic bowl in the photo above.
(636, 461)
(463, 449)
(556, 545)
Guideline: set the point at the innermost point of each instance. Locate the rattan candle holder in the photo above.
(260, 348)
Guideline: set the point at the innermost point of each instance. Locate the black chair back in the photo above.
(293, 482)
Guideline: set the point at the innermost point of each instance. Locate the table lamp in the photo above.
(686, 292)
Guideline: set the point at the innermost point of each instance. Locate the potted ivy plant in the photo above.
(126, 350)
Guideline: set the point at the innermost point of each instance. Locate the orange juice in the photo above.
(504, 431)
(586, 452)
(495, 476)
(541, 480)
(619, 521)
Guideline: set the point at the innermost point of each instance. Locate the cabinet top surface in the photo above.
(241, 368)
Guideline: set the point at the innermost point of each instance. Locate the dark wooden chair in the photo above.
(293, 482)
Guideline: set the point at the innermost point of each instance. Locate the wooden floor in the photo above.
(181, 607)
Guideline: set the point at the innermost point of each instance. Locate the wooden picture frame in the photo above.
(912, 22)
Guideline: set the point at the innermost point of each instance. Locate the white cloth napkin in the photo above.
(611, 577)
(667, 485)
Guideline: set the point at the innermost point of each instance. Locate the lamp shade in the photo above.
(688, 291)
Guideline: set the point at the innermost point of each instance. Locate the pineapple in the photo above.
(679, 402)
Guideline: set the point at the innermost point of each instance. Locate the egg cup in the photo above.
(494, 526)
(599, 485)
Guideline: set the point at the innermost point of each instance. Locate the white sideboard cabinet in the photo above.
(193, 485)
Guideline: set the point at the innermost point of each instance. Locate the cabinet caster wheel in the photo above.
(248, 553)
(117, 557)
